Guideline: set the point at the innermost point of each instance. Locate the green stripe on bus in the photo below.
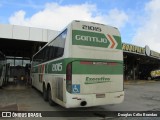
(59, 67)
(79, 68)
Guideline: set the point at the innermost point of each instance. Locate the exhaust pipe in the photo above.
(83, 103)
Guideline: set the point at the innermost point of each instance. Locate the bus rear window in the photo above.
(53, 50)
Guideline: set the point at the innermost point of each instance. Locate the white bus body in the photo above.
(81, 67)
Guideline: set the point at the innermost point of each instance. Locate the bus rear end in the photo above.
(94, 73)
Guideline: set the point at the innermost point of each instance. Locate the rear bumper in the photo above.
(75, 100)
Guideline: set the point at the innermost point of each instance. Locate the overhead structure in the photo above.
(139, 62)
(21, 41)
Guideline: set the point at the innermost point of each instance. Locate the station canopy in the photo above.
(21, 41)
(140, 52)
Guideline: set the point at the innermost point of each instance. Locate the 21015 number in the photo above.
(86, 27)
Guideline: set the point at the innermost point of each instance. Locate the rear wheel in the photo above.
(45, 94)
(50, 97)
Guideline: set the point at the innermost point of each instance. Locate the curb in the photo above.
(135, 82)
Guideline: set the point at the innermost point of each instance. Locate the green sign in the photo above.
(95, 39)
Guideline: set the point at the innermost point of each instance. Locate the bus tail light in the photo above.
(69, 72)
(69, 77)
(86, 62)
(98, 63)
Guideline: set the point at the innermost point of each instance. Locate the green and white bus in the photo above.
(81, 67)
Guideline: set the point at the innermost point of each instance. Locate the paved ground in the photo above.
(139, 96)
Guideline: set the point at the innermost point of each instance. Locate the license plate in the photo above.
(100, 95)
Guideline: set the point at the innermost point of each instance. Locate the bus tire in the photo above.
(45, 93)
(50, 98)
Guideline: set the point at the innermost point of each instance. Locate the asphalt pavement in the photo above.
(139, 96)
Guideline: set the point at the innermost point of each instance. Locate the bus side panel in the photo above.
(35, 82)
(58, 87)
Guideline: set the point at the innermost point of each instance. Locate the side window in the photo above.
(38, 58)
(53, 50)
(61, 44)
(45, 54)
(56, 47)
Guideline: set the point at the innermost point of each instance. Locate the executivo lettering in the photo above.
(90, 80)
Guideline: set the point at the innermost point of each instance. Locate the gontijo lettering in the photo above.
(91, 39)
